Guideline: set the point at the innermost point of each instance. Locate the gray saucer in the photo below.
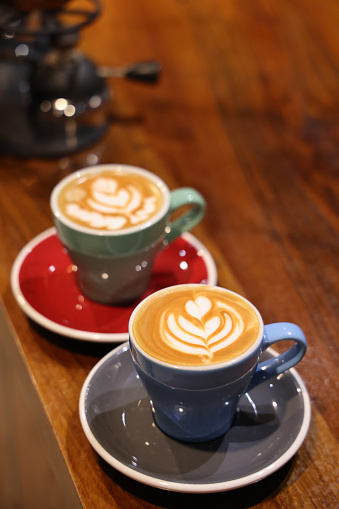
(115, 414)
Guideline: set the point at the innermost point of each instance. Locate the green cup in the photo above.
(114, 219)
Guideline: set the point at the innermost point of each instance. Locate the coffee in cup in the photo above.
(111, 199)
(114, 219)
(196, 326)
(196, 349)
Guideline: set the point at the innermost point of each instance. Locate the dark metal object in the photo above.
(52, 96)
(142, 71)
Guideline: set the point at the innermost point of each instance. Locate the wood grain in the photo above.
(246, 111)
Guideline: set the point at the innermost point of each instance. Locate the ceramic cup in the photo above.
(196, 349)
(113, 220)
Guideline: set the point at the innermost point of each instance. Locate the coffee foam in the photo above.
(196, 326)
(110, 200)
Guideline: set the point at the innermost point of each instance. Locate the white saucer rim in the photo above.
(187, 487)
(79, 334)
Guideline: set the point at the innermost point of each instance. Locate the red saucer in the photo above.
(44, 286)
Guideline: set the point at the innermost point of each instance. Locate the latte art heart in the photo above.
(196, 325)
(198, 332)
(110, 200)
(199, 307)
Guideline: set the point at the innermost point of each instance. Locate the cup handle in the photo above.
(188, 220)
(273, 333)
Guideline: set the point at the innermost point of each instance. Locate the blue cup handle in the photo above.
(273, 333)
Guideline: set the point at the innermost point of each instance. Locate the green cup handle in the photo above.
(188, 220)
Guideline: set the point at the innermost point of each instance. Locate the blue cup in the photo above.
(198, 403)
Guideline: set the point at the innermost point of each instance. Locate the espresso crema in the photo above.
(195, 325)
(111, 200)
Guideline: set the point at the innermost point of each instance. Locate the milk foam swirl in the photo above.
(195, 325)
(203, 327)
(109, 204)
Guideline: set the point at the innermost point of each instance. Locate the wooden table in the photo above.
(246, 111)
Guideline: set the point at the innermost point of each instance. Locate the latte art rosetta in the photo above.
(110, 202)
(203, 328)
(195, 325)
